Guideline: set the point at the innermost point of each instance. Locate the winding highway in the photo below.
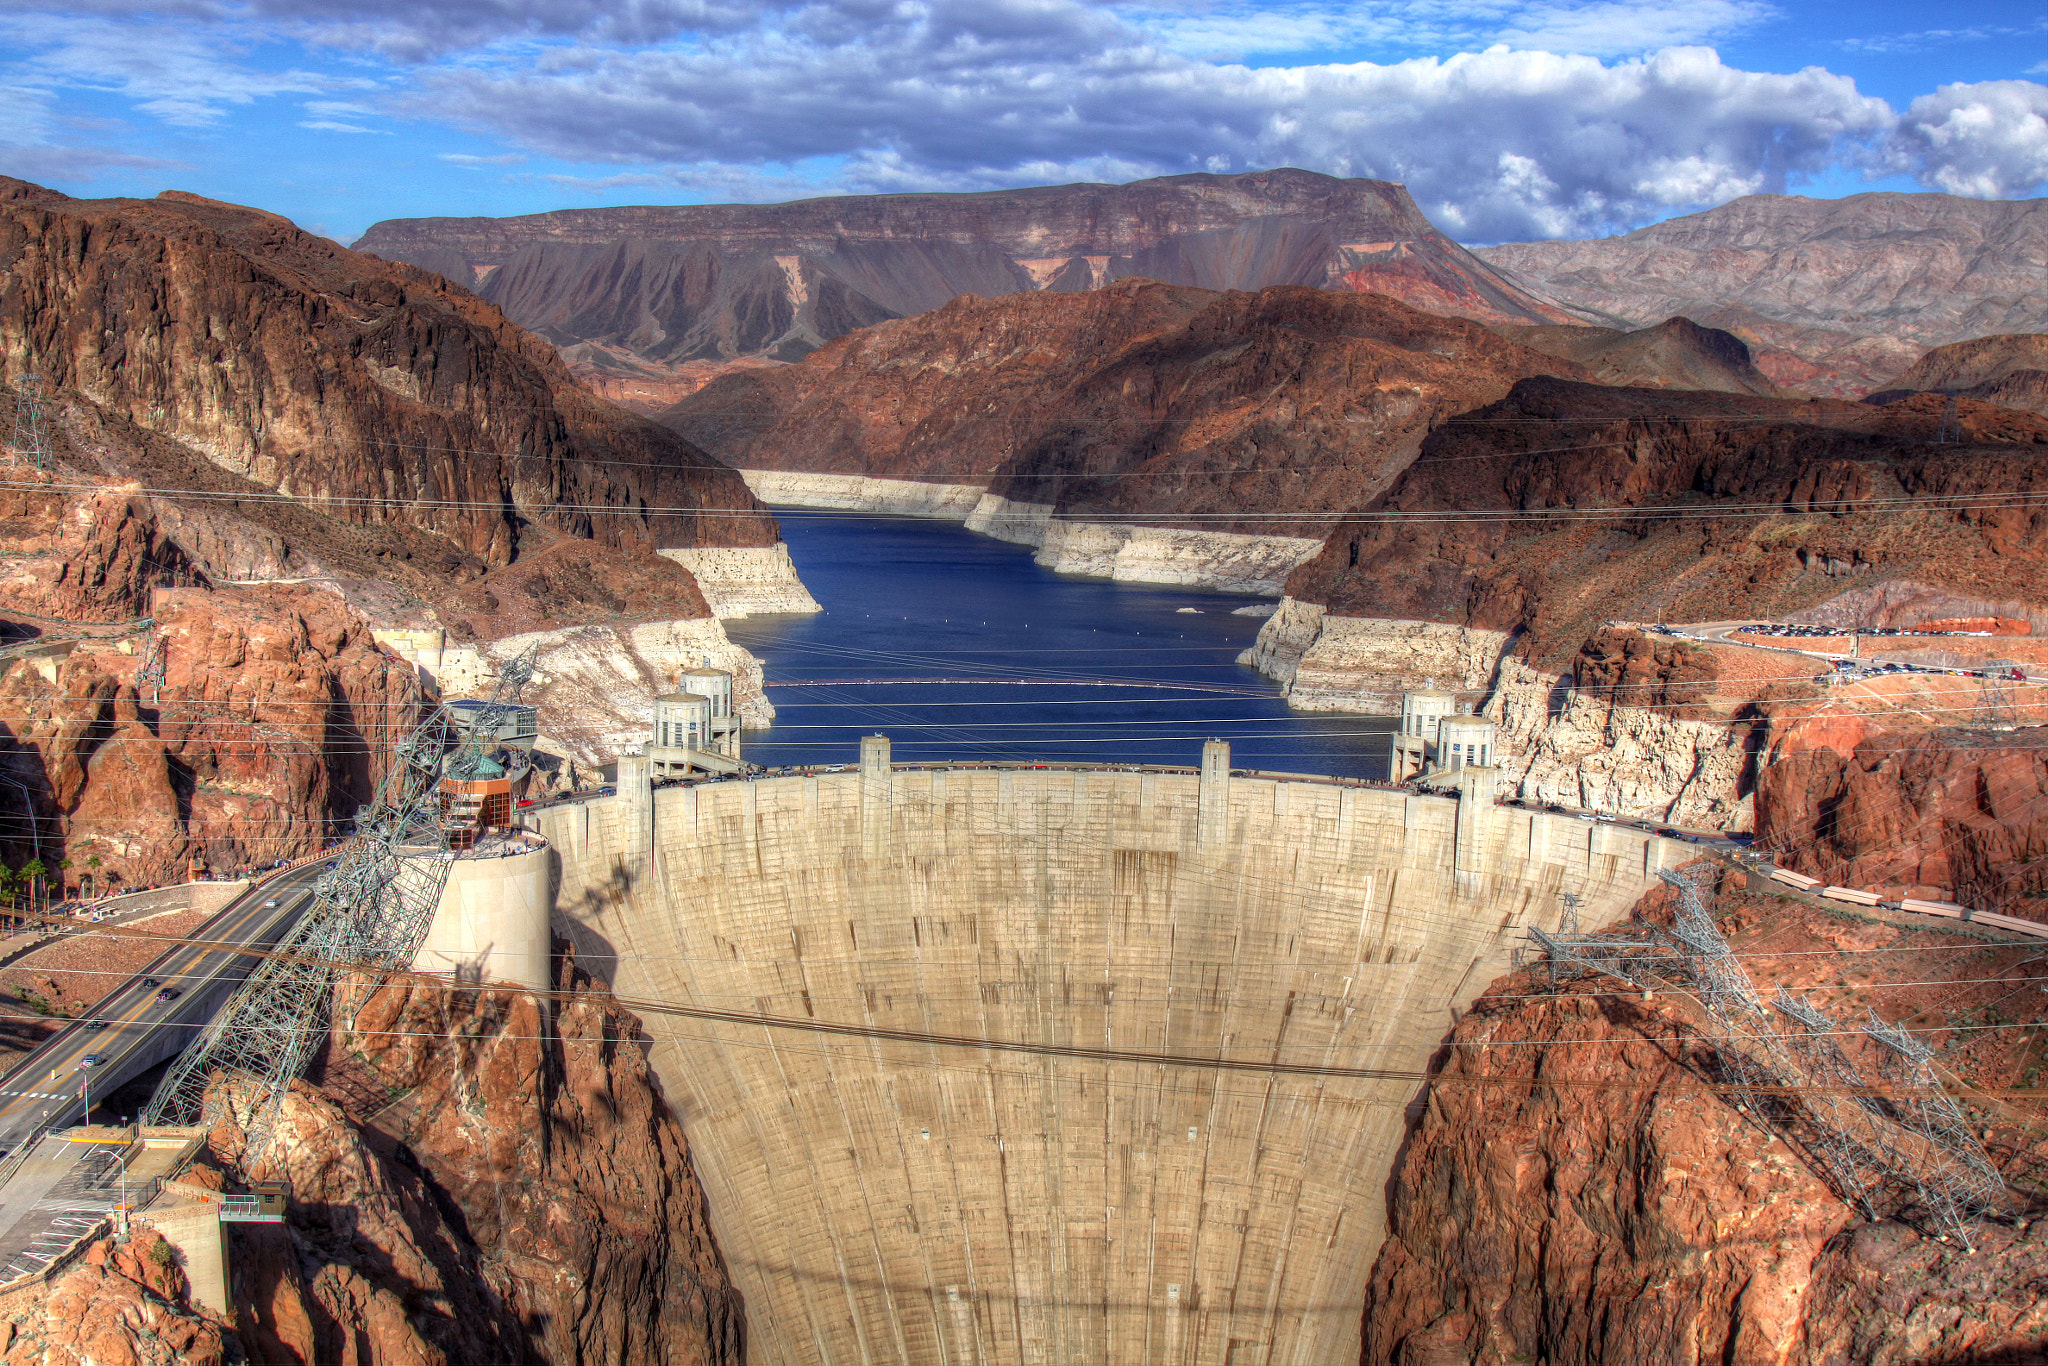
(132, 1030)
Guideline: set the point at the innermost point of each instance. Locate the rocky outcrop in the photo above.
(1585, 749)
(1574, 1192)
(1949, 813)
(739, 581)
(269, 728)
(1675, 354)
(1836, 296)
(477, 1177)
(1515, 517)
(634, 295)
(2011, 371)
(373, 389)
(1090, 418)
(528, 1195)
(124, 1301)
(1364, 664)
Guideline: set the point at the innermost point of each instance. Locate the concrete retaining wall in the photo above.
(915, 1202)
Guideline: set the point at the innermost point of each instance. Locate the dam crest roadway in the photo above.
(881, 1199)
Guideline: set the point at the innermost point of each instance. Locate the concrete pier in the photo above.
(915, 1201)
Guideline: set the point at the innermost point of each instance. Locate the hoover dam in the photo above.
(1069, 1064)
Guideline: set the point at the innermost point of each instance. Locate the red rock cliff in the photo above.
(376, 388)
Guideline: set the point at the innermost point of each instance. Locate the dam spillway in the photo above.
(883, 1200)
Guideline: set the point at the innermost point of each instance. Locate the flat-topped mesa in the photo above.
(644, 296)
(1206, 999)
(1145, 431)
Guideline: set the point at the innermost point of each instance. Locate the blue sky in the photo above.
(1508, 119)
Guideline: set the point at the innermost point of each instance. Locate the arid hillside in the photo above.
(2011, 371)
(1163, 403)
(652, 300)
(1582, 502)
(1836, 296)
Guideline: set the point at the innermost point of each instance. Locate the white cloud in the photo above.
(470, 159)
(1613, 28)
(177, 73)
(1988, 139)
(950, 94)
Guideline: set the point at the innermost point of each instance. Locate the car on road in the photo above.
(271, 904)
(167, 994)
(151, 982)
(92, 1060)
(95, 1024)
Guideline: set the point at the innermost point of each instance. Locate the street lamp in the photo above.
(85, 1065)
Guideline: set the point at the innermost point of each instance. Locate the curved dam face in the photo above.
(916, 1201)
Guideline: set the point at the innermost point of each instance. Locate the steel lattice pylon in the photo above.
(371, 911)
(1882, 1156)
(32, 422)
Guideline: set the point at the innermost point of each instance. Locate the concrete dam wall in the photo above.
(920, 1202)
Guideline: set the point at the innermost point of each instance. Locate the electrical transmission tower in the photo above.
(1951, 429)
(371, 911)
(150, 672)
(1908, 1150)
(32, 422)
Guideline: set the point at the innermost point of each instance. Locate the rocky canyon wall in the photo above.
(1143, 431)
(1575, 1191)
(474, 1178)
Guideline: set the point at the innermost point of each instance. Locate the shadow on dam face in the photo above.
(891, 1200)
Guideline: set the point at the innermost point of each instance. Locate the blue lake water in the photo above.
(1112, 672)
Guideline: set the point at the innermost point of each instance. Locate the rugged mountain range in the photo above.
(366, 385)
(652, 299)
(2011, 371)
(1836, 296)
(264, 448)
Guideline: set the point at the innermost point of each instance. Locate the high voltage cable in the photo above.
(1137, 1057)
(1689, 511)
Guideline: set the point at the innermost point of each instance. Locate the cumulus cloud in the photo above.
(1556, 117)
(1988, 139)
(948, 94)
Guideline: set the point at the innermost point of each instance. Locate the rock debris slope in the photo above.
(650, 300)
(1836, 295)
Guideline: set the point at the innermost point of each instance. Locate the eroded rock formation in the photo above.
(369, 386)
(2011, 371)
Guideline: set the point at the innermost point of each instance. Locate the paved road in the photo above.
(48, 1086)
